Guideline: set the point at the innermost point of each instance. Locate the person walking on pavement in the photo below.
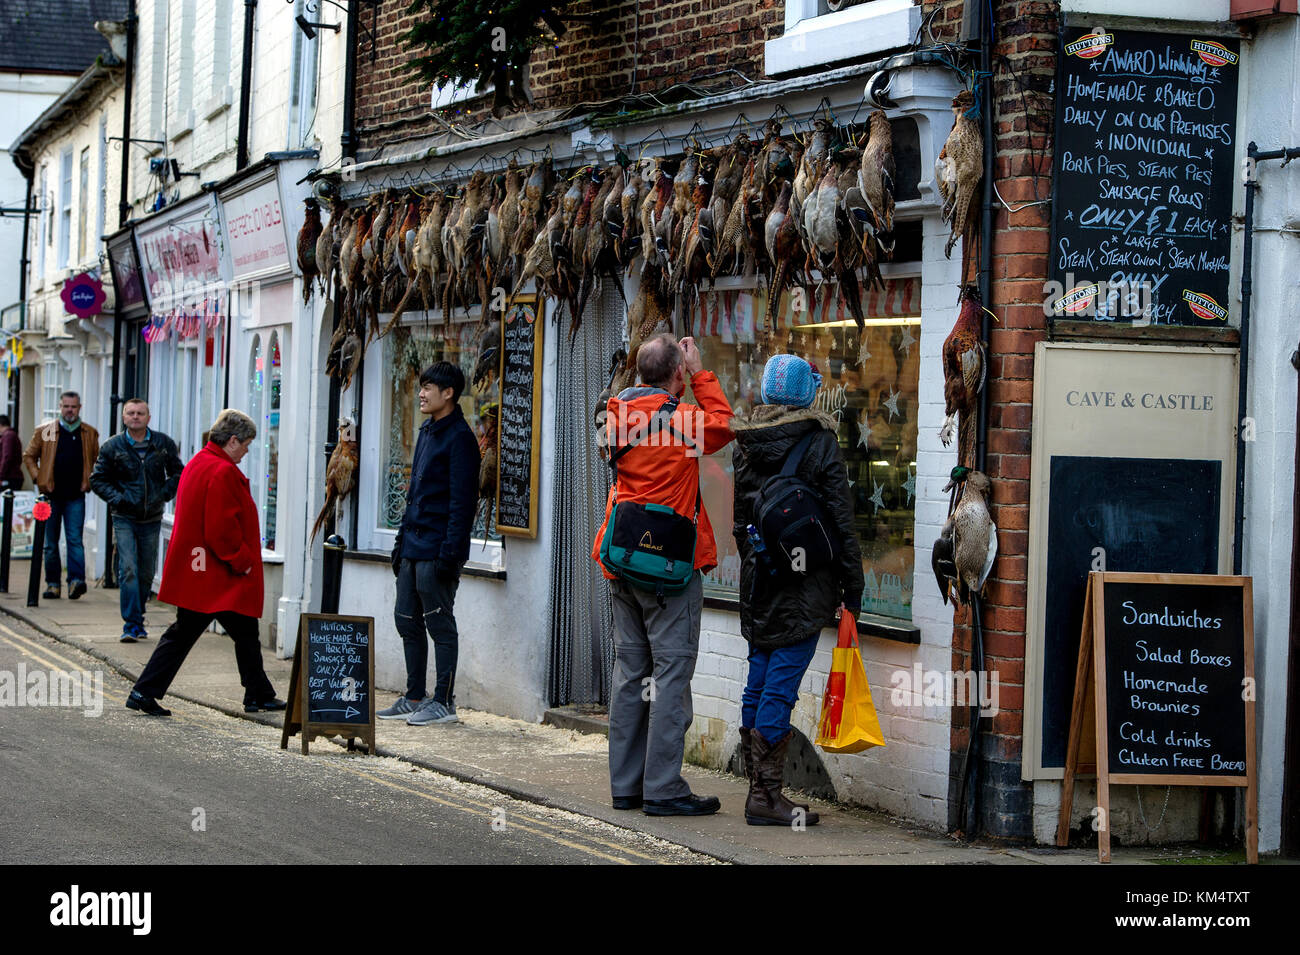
(213, 569)
(59, 458)
(432, 546)
(657, 636)
(11, 457)
(137, 473)
(782, 613)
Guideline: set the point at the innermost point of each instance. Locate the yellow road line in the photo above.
(545, 835)
(34, 650)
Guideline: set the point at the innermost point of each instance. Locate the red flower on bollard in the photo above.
(41, 510)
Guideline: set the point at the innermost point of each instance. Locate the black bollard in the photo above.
(38, 558)
(333, 574)
(6, 539)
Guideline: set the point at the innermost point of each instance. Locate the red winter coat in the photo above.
(215, 541)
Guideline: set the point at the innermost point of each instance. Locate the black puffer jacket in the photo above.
(134, 488)
(785, 612)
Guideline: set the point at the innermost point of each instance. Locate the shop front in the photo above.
(532, 608)
(261, 214)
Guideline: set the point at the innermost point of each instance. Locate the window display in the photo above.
(870, 382)
(408, 350)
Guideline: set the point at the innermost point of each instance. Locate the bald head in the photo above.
(657, 359)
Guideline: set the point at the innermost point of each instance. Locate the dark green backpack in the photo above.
(650, 546)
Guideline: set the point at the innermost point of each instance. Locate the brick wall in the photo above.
(679, 40)
(1026, 36)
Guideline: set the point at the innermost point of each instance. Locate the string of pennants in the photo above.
(185, 321)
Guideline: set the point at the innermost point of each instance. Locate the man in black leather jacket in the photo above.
(137, 473)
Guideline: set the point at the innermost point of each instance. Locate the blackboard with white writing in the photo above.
(519, 431)
(1144, 178)
(1175, 670)
(338, 669)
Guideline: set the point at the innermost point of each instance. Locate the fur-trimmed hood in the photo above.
(768, 432)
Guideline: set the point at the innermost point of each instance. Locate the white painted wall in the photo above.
(1270, 115)
(23, 97)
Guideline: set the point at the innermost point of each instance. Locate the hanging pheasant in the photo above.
(964, 371)
(487, 469)
(308, 236)
(958, 171)
(340, 473)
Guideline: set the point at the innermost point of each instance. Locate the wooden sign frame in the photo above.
(1091, 673)
(297, 713)
(535, 446)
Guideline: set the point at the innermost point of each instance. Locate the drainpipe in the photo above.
(969, 790)
(245, 85)
(348, 141)
(123, 201)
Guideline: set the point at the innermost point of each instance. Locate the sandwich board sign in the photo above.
(331, 689)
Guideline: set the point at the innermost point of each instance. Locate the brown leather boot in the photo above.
(747, 760)
(767, 805)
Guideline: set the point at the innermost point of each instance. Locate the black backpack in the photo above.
(792, 522)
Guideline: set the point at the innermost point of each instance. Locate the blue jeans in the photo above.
(72, 513)
(773, 687)
(137, 560)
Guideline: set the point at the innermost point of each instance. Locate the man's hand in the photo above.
(691, 356)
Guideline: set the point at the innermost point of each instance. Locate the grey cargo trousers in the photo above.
(650, 700)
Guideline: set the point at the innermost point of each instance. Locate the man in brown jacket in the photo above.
(60, 458)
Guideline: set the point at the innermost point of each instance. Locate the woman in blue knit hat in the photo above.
(783, 609)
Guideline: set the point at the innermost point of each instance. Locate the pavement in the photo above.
(554, 766)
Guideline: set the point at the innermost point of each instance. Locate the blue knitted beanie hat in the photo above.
(789, 380)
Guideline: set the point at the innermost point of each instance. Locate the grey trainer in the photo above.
(433, 712)
(403, 708)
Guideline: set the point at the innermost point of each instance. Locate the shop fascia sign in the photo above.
(185, 267)
(256, 229)
(83, 295)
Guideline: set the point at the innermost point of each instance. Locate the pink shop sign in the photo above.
(255, 229)
(181, 256)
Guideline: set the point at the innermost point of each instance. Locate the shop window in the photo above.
(870, 386)
(255, 466)
(408, 350)
(818, 32)
(269, 436)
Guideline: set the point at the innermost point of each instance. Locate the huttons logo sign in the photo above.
(1092, 45)
(1204, 306)
(1214, 54)
(1077, 299)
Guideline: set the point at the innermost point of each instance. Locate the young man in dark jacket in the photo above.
(137, 473)
(782, 615)
(433, 544)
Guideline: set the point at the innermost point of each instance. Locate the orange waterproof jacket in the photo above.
(661, 469)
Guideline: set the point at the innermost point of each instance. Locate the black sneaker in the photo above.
(76, 590)
(271, 704)
(627, 802)
(688, 805)
(52, 592)
(145, 704)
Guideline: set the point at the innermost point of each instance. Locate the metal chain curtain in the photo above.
(581, 656)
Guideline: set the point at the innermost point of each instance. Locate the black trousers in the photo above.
(179, 639)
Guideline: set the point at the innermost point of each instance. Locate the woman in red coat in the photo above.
(213, 569)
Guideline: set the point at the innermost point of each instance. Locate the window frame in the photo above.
(485, 555)
(812, 38)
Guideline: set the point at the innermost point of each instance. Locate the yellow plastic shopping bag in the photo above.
(849, 723)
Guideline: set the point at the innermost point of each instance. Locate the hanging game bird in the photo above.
(487, 469)
(967, 547)
(340, 474)
(964, 371)
(958, 171)
(308, 236)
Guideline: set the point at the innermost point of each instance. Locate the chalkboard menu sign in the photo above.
(1170, 662)
(1144, 178)
(333, 678)
(519, 432)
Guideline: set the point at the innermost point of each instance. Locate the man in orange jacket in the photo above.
(656, 640)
